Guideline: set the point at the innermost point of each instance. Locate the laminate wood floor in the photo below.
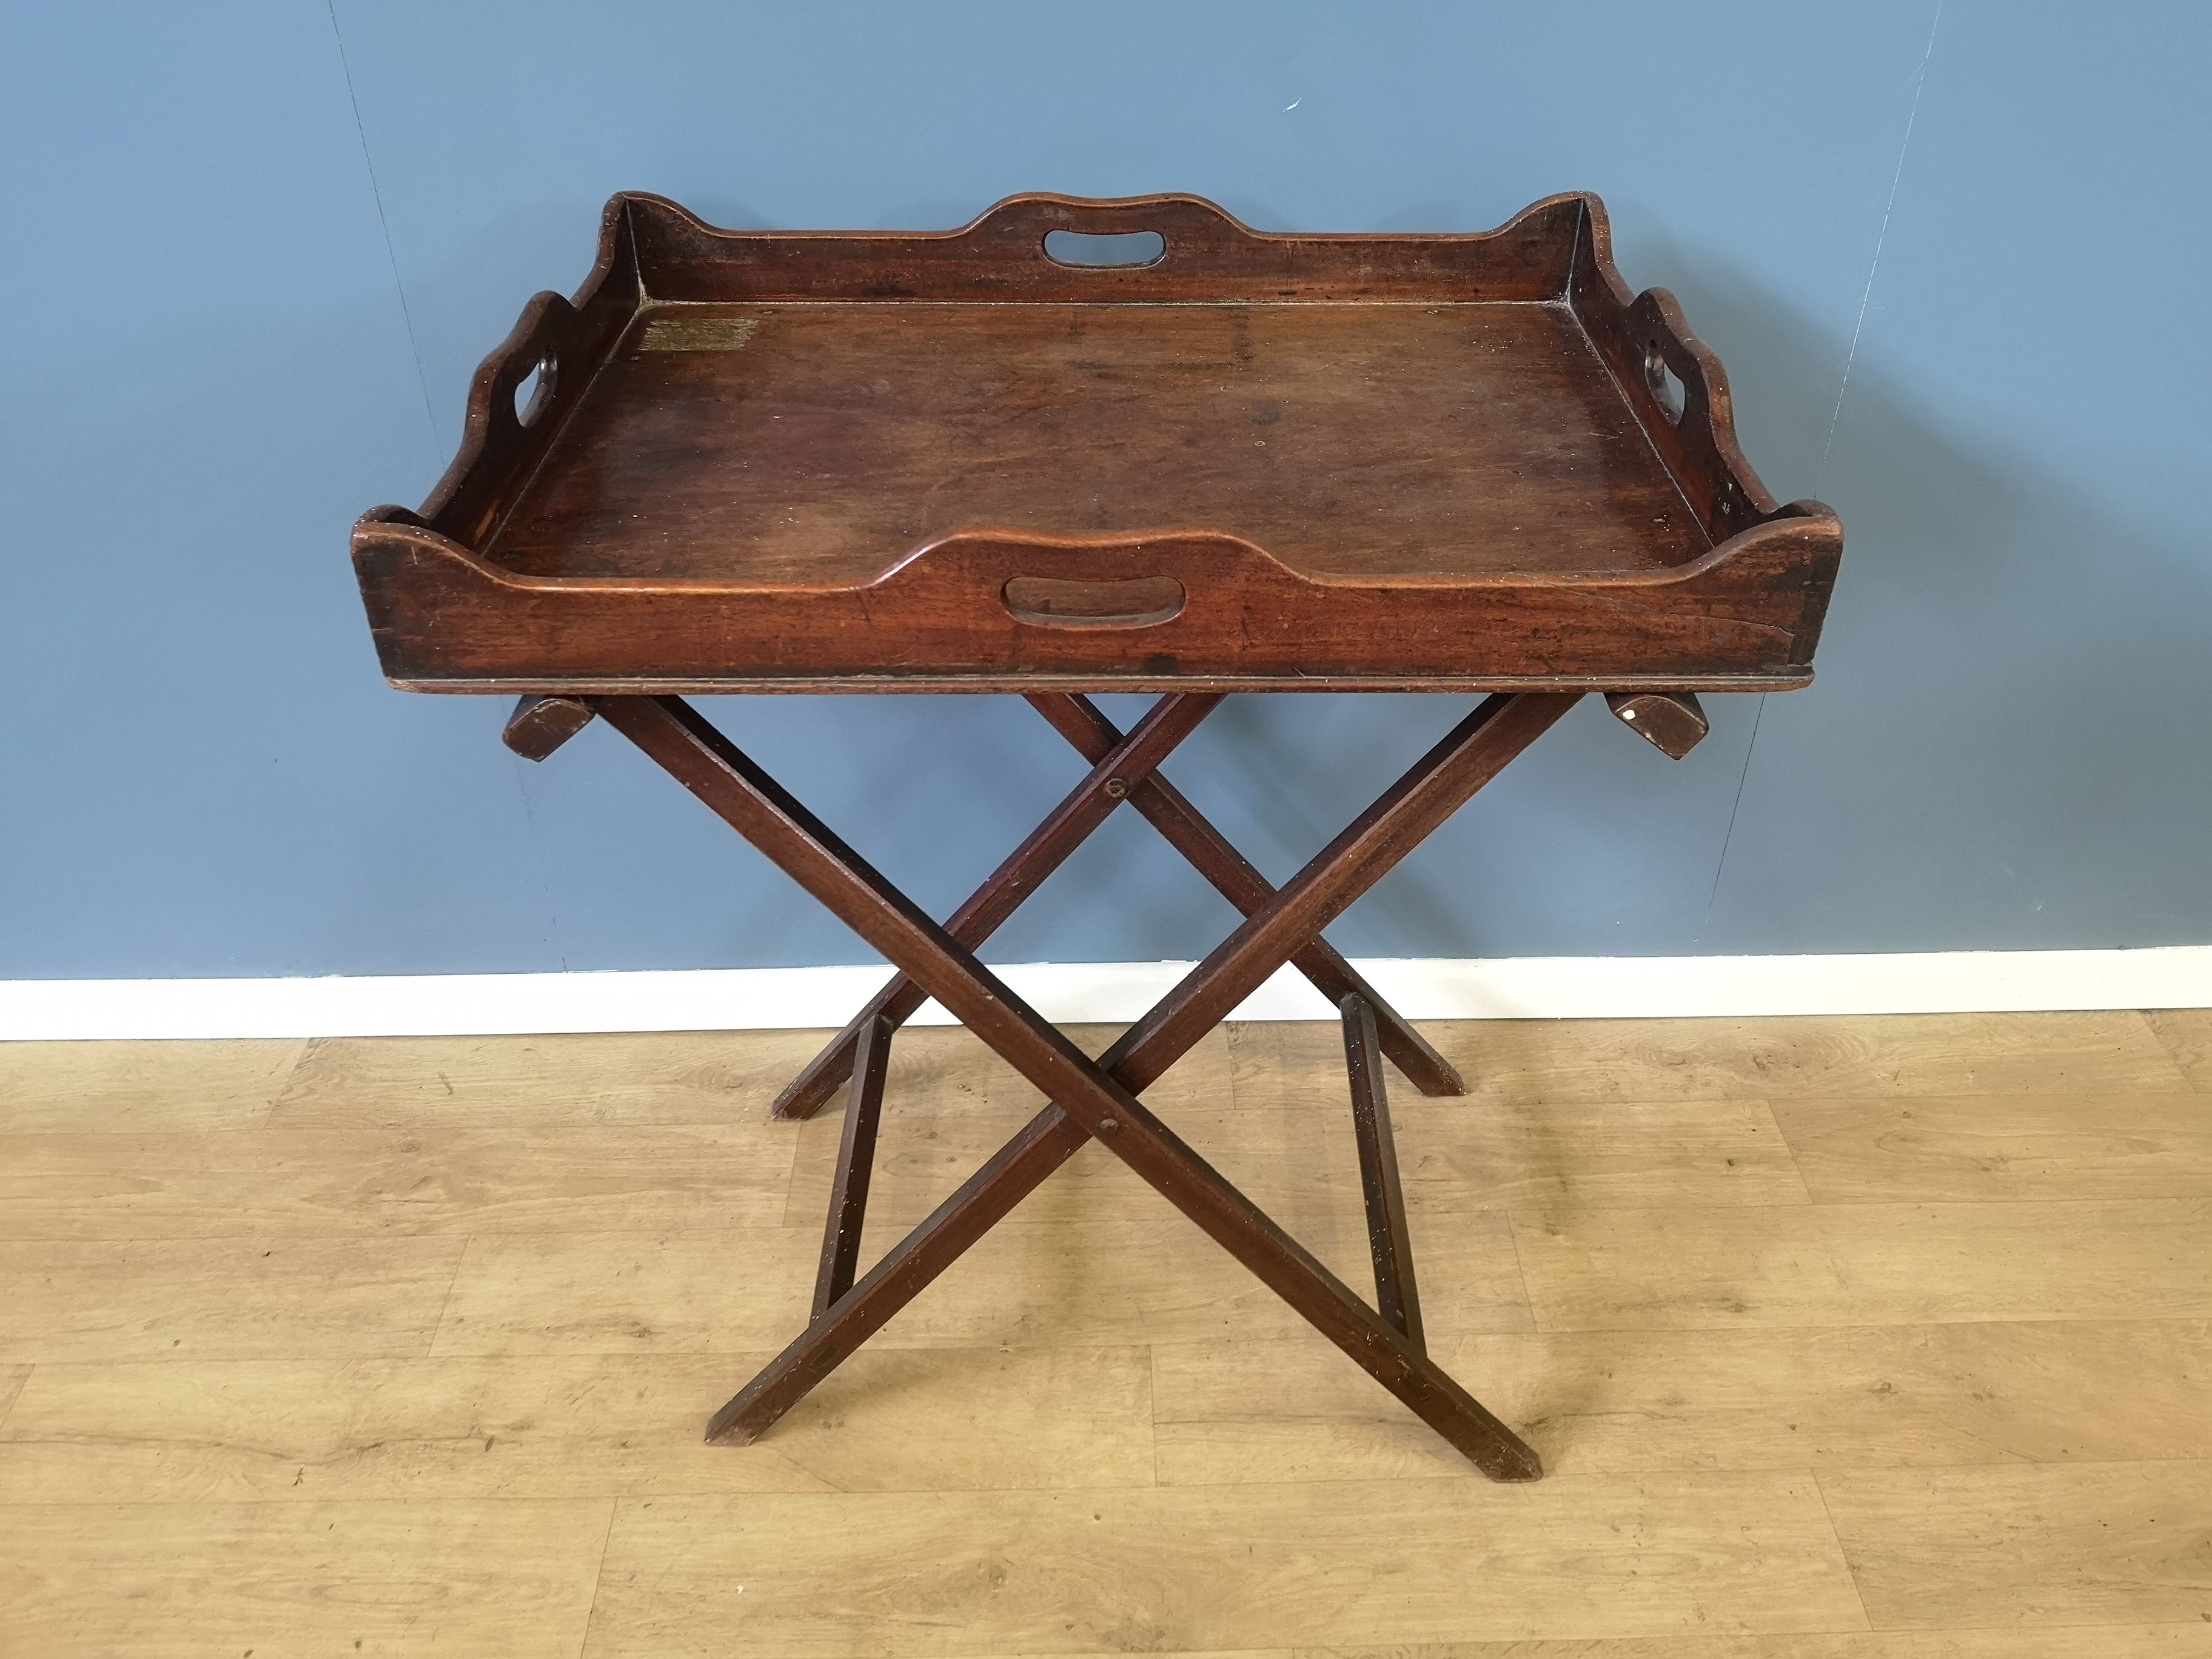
(1841, 1338)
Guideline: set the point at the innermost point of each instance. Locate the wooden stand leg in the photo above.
(1388, 1240)
(856, 1160)
(1209, 853)
(539, 726)
(1099, 1098)
(984, 1199)
(1673, 722)
(1130, 763)
(1124, 764)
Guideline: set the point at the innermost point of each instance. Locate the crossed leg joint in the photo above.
(1099, 1098)
(1124, 767)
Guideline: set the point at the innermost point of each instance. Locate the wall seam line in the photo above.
(384, 223)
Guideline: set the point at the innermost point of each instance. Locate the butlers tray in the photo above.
(777, 461)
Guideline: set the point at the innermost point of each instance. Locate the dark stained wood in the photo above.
(1388, 1241)
(1642, 338)
(1354, 440)
(1001, 257)
(1734, 620)
(856, 1160)
(1673, 721)
(826, 461)
(1129, 761)
(539, 726)
(1432, 789)
(1123, 767)
(1100, 1097)
(567, 340)
(980, 1203)
(778, 461)
(1186, 828)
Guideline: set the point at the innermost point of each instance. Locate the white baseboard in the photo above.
(1526, 987)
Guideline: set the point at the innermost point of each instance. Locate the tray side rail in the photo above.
(1673, 382)
(1675, 386)
(525, 391)
(1207, 255)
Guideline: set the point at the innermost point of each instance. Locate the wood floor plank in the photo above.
(1302, 1159)
(1217, 1567)
(447, 1281)
(2191, 1640)
(92, 1087)
(1290, 1164)
(1867, 1264)
(221, 1298)
(1628, 1401)
(1458, 1155)
(1540, 1062)
(422, 1178)
(541, 1082)
(735, 1291)
(1086, 1283)
(1976, 1147)
(2186, 1034)
(2117, 1543)
(571, 1426)
(190, 1580)
(655, 1077)
(945, 1070)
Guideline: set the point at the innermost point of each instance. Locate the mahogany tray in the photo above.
(769, 460)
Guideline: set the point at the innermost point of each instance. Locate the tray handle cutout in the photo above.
(1057, 602)
(1095, 250)
(534, 391)
(1126, 235)
(1667, 390)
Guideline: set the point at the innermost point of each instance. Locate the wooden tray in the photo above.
(862, 461)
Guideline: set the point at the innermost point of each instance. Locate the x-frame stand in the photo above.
(1099, 1098)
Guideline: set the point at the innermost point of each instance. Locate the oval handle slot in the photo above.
(1097, 249)
(1666, 384)
(533, 391)
(1053, 601)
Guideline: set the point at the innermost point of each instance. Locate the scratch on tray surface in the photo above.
(698, 333)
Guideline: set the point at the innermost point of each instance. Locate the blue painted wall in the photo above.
(1950, 260)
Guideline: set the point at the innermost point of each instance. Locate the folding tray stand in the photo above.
(771, 461)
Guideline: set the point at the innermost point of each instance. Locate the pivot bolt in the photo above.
(1116, 787)
(1108, 1126)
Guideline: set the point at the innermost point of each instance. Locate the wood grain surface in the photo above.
(1850, 1338)
(1162, 1568)
(841, 461)
(2187, 1035)
(2173, 1641)
(104, 1088)
(1975, 1147)
(1627, 1401)
(2095, 1543)
(1544, 1062)
(823, 442)
(213, 1581)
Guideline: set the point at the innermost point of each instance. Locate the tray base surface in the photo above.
(822, 442)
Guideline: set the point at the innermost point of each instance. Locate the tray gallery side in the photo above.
(990, 608)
